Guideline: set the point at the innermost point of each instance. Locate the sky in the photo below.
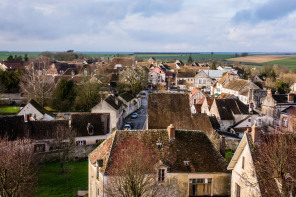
(148, 25)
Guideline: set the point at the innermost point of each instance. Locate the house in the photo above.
(179, 64)
(186, 76)
(207, 104)
(11, 65)
(168, 108)
(122, 62)
(114, 106)
(151, 60)
(34, 111)
(244, 180)
(222, 82)
(249, 176)
(287, 119)
(195, 96)
(293, 88)
(244, 124)
(246, 91)
(229, 111)
(157, 76)
(58, 68)
(273, 104)
(130, 103)
(203, 80)
(257, 78)
(188, 157)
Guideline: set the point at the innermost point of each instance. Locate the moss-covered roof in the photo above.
(126, 96)
(192, 146)
(236, 84)
(39, 107)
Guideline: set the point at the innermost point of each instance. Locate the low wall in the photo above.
(231, 143)
(76, 153)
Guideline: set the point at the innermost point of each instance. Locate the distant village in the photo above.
(152, 128)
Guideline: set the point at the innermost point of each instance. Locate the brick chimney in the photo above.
(222, 145)
(269, 91)
(171, 132)
(247, 131)
(290, 98)
(255, 133)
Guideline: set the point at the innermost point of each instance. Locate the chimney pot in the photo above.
(171, 132)
(269, 91)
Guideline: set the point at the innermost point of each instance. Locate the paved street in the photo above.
(138, 123)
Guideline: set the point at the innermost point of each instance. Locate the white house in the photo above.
(35, 111)
(114, 107)
(130, 103)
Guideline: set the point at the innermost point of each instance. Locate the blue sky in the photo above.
(148, 25)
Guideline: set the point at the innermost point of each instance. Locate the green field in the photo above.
(9, 109)
(184, 57)
(290, 63)
(4, 55)
(53, 183)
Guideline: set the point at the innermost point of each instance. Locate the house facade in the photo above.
(210, 178)
(35, 112)
(130, 103)
(157, 76)
(114, 106)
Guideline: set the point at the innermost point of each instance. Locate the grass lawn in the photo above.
(290, 63)
(9, 109)
(228, 156)
(53, 183)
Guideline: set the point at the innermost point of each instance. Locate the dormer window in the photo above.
(159, 145)
(90, 129)
(186, 163)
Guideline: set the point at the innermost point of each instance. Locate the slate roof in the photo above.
(225, 96)
(63, 66)
(192, 146)
(99, 121)
(165, 109)
(210, 101)
(46, 129)
(236, 84)
(216, 73)
(186, 74)
(111, 101)
(227, 108)
(69, 71)
(228, 134)
(126, 96)
(289, 110)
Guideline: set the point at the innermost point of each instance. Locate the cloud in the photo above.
(270, 10)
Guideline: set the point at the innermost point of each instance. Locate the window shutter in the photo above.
(77, 143)
(84, 142)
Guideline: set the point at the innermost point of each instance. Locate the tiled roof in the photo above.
(165, 109)
(192, 146)
(210, 101)
(268, 187)
(99, 121)
(198, 108)
(214, 122)
(13, 65)
(12, 127)
(186, 74)
(225, 95)
(125, 62)
(236, 84)
(227, 108)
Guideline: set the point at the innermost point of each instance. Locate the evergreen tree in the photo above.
(190, 60)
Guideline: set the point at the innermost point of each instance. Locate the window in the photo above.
(249, 120)
(237, 190)
(39, 148)
(80, 142)
(98, 194)
(199, 81)
(161, 175)
(194, 101)
(90, 129)
(243, 163)
(200, 187)
(204, 81)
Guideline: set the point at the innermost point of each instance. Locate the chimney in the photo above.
(269, 91)
(222, 145)
(171, 132)
(116, 100)
(255, 133)
(290, 98)
(247, 131)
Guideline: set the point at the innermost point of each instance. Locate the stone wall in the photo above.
(231, 143)
(76, 153)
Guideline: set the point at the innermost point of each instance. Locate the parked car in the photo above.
(127, 127)
(134, 116)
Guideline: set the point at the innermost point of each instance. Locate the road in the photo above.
(138, 123)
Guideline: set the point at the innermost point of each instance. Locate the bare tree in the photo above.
(18, 168)
(275, 162)
(133, 172)
(34, 82)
